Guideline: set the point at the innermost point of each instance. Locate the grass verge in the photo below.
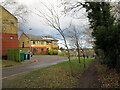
(8, 63)
(55, 76)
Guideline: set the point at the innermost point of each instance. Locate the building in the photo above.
(8, 31)
(85, 51)
(37, 44)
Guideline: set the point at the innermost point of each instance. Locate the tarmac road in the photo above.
(41, 61)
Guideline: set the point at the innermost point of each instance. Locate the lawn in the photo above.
(62, 75)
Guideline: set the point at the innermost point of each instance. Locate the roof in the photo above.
(33, 37)
(41, 38)
(8, 12)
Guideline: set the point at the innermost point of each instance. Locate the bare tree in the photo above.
(52, 18)
(74, 36)
(88, 36)
(79, 39)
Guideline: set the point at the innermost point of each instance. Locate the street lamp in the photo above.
(30, 45)
(30, 40)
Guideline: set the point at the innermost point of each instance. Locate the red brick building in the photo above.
(9, 31)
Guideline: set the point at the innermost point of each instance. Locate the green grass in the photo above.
(55, 76)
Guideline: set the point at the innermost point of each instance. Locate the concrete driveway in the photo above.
(41, 61)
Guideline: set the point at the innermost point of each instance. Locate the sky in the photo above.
(37, 26)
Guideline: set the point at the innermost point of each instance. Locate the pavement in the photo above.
(39, 62)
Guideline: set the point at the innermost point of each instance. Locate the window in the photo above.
(12, 23)
(11, 37)
(33, 42)
(34, 50)
(42, 43)
(42, 49)
(22, 44)
(55, 43)
(47, 43)
(47, 49)
(55, 48)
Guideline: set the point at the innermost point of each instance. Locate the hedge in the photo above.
(13, 54)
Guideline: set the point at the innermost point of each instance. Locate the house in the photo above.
(37, 44)
(8, 31)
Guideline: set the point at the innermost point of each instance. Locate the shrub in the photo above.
(53, 52)
(50, 52)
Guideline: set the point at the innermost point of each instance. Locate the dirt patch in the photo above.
(89, 78)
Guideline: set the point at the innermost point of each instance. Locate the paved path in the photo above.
(42, 61)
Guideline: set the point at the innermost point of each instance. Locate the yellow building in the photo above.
(38, 44)
(8, 30)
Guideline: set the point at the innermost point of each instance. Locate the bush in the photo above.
(53, 52)
(13, 54)
(50, 52)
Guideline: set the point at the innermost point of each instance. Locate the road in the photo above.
(41, 61)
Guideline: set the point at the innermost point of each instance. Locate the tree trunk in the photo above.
(78, 50)
(67, 48)
(84, 61)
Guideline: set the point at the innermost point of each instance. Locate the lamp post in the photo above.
(30, 45)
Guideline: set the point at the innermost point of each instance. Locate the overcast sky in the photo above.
(38, 26)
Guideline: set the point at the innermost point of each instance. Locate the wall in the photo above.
(45, 46)
(55, 46)
(25, 39)
(50, 45)
(9, 23)
(38, 44)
